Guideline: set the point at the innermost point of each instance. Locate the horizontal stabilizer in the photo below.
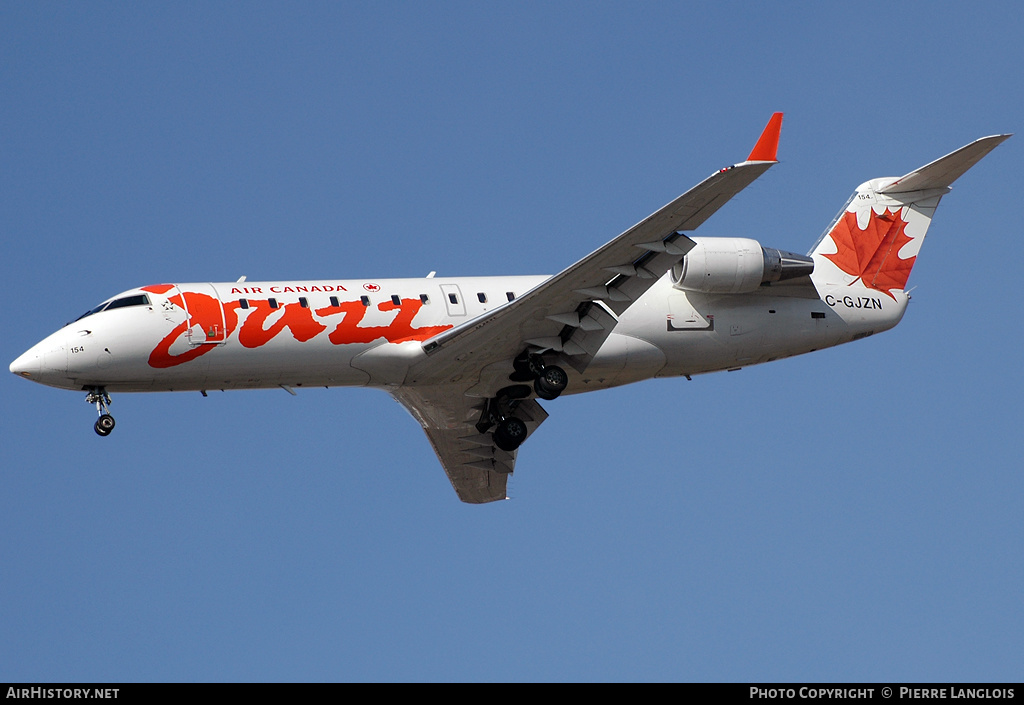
(944, 171)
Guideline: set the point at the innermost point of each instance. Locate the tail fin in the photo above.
(875, 239)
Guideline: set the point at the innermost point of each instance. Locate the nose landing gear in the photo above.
(105, 423)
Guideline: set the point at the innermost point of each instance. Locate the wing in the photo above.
(477, 469)
(573, 312)
(570, 315)
(942, 172)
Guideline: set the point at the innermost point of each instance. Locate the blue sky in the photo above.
(851, 515)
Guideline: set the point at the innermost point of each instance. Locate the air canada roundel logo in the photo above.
(372, 287)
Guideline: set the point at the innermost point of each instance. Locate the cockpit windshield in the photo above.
(136, 300)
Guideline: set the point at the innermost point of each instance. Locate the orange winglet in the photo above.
(768, 144)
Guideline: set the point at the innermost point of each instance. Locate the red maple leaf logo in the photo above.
(871, 254)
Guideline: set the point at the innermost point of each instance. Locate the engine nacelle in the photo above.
(736, 265)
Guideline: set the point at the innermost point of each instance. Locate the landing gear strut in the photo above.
(105, 423)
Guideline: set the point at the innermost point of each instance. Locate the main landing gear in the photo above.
(548, 380)
(509, 430)
(509, 434)
(105, 423)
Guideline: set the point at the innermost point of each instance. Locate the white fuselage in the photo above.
(246, 335)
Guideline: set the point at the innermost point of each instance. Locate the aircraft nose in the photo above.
(28, 364)
(45, 362)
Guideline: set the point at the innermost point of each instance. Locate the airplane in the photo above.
(469, 357)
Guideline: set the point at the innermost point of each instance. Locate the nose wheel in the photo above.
(105, 423)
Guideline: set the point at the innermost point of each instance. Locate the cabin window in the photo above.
(303, 303)
(481, 297)
(396, 300)
(510, 295)
(424, 299)
(243, 303)
(334, 302)
(817, 314)
(272, 302)
(365, 300)
(453, 298)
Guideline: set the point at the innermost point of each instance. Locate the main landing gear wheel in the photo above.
(105, 423)
(551, 382)
(510, 434)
